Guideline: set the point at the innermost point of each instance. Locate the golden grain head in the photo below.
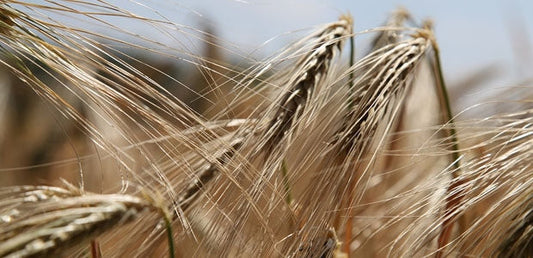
(301, 154)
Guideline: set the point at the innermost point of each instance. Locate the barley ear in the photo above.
(40, 220)
(311, 70)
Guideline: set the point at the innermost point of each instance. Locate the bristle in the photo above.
(300, 154)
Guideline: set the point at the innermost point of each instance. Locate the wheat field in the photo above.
(114, 144)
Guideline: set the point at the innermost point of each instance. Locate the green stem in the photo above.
(454, 197)
(170, 237)
(351, 75)
(449, 117)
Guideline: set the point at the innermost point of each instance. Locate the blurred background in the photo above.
(471, 34)
(485, 47)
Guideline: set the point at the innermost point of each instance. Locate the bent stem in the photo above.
(448, 115)
(351, 103)
(452, 200)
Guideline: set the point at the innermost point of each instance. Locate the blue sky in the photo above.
(471, 34)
